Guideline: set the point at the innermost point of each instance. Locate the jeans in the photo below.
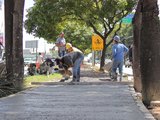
(119, 65)
(76, 69)
(61, 53)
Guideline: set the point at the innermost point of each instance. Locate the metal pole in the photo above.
(93, 58)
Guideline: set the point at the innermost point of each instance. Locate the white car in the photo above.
(88, 58)
(29, 60)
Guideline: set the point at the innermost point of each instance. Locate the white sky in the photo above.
(2, 18)
(28, 4)
(42, 44)
(159, 7)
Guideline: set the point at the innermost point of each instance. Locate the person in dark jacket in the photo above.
(130, 53)
(74, 60)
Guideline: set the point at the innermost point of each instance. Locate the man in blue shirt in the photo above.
(118, 52)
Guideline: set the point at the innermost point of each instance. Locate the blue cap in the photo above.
(116, 38)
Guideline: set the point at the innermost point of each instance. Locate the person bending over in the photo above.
(74, 60)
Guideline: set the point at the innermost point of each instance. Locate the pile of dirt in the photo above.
(155, 112)
(155, 109)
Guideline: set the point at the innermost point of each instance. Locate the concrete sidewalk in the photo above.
(74, 102)
(94, 98)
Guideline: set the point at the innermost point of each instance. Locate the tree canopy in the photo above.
(48, 18)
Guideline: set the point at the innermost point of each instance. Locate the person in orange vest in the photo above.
(39, 61)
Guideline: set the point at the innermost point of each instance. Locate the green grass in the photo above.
(40, 78)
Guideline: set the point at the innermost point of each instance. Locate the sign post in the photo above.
(97, 45)
(97, 42)
(32, 44)
(128, 19)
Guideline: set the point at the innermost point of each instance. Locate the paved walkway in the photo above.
(98, 99)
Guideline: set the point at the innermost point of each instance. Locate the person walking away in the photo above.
(118, 52)
(60, 43)
(74, 60)
(130, 53)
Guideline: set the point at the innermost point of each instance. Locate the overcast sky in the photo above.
(43, 46)
(26, 36)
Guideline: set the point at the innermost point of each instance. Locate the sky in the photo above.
(42, 44)
(28, 4)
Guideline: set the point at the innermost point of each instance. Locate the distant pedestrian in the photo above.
(74, 60)
(39, 61)
(60, 43)
(130, 53)
(118, 52)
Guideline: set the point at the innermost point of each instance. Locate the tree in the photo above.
(78, 36)
(136, 48)
(150, 53)
(102, 16)
(126, 34)
(13, 42)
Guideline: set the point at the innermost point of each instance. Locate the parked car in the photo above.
(29, 61)
(88, 58)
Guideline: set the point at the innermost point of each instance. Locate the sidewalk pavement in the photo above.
(94, 98)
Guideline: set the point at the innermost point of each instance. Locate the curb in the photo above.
(136, 96)
(78, 83)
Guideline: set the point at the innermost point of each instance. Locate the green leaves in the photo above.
(76, 18)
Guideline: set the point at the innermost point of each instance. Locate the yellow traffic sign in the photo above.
(97, 42)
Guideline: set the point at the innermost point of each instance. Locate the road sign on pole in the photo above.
(97, 42)
(128, 19)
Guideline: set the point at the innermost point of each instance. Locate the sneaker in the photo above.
(62, 80)
(71, 82)
(114, 79)
(120, 78)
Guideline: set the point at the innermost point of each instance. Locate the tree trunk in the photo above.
(8, 37)
(136, 48)
(18, 64)
(150, 52)
(14, 47)
(103, 55)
